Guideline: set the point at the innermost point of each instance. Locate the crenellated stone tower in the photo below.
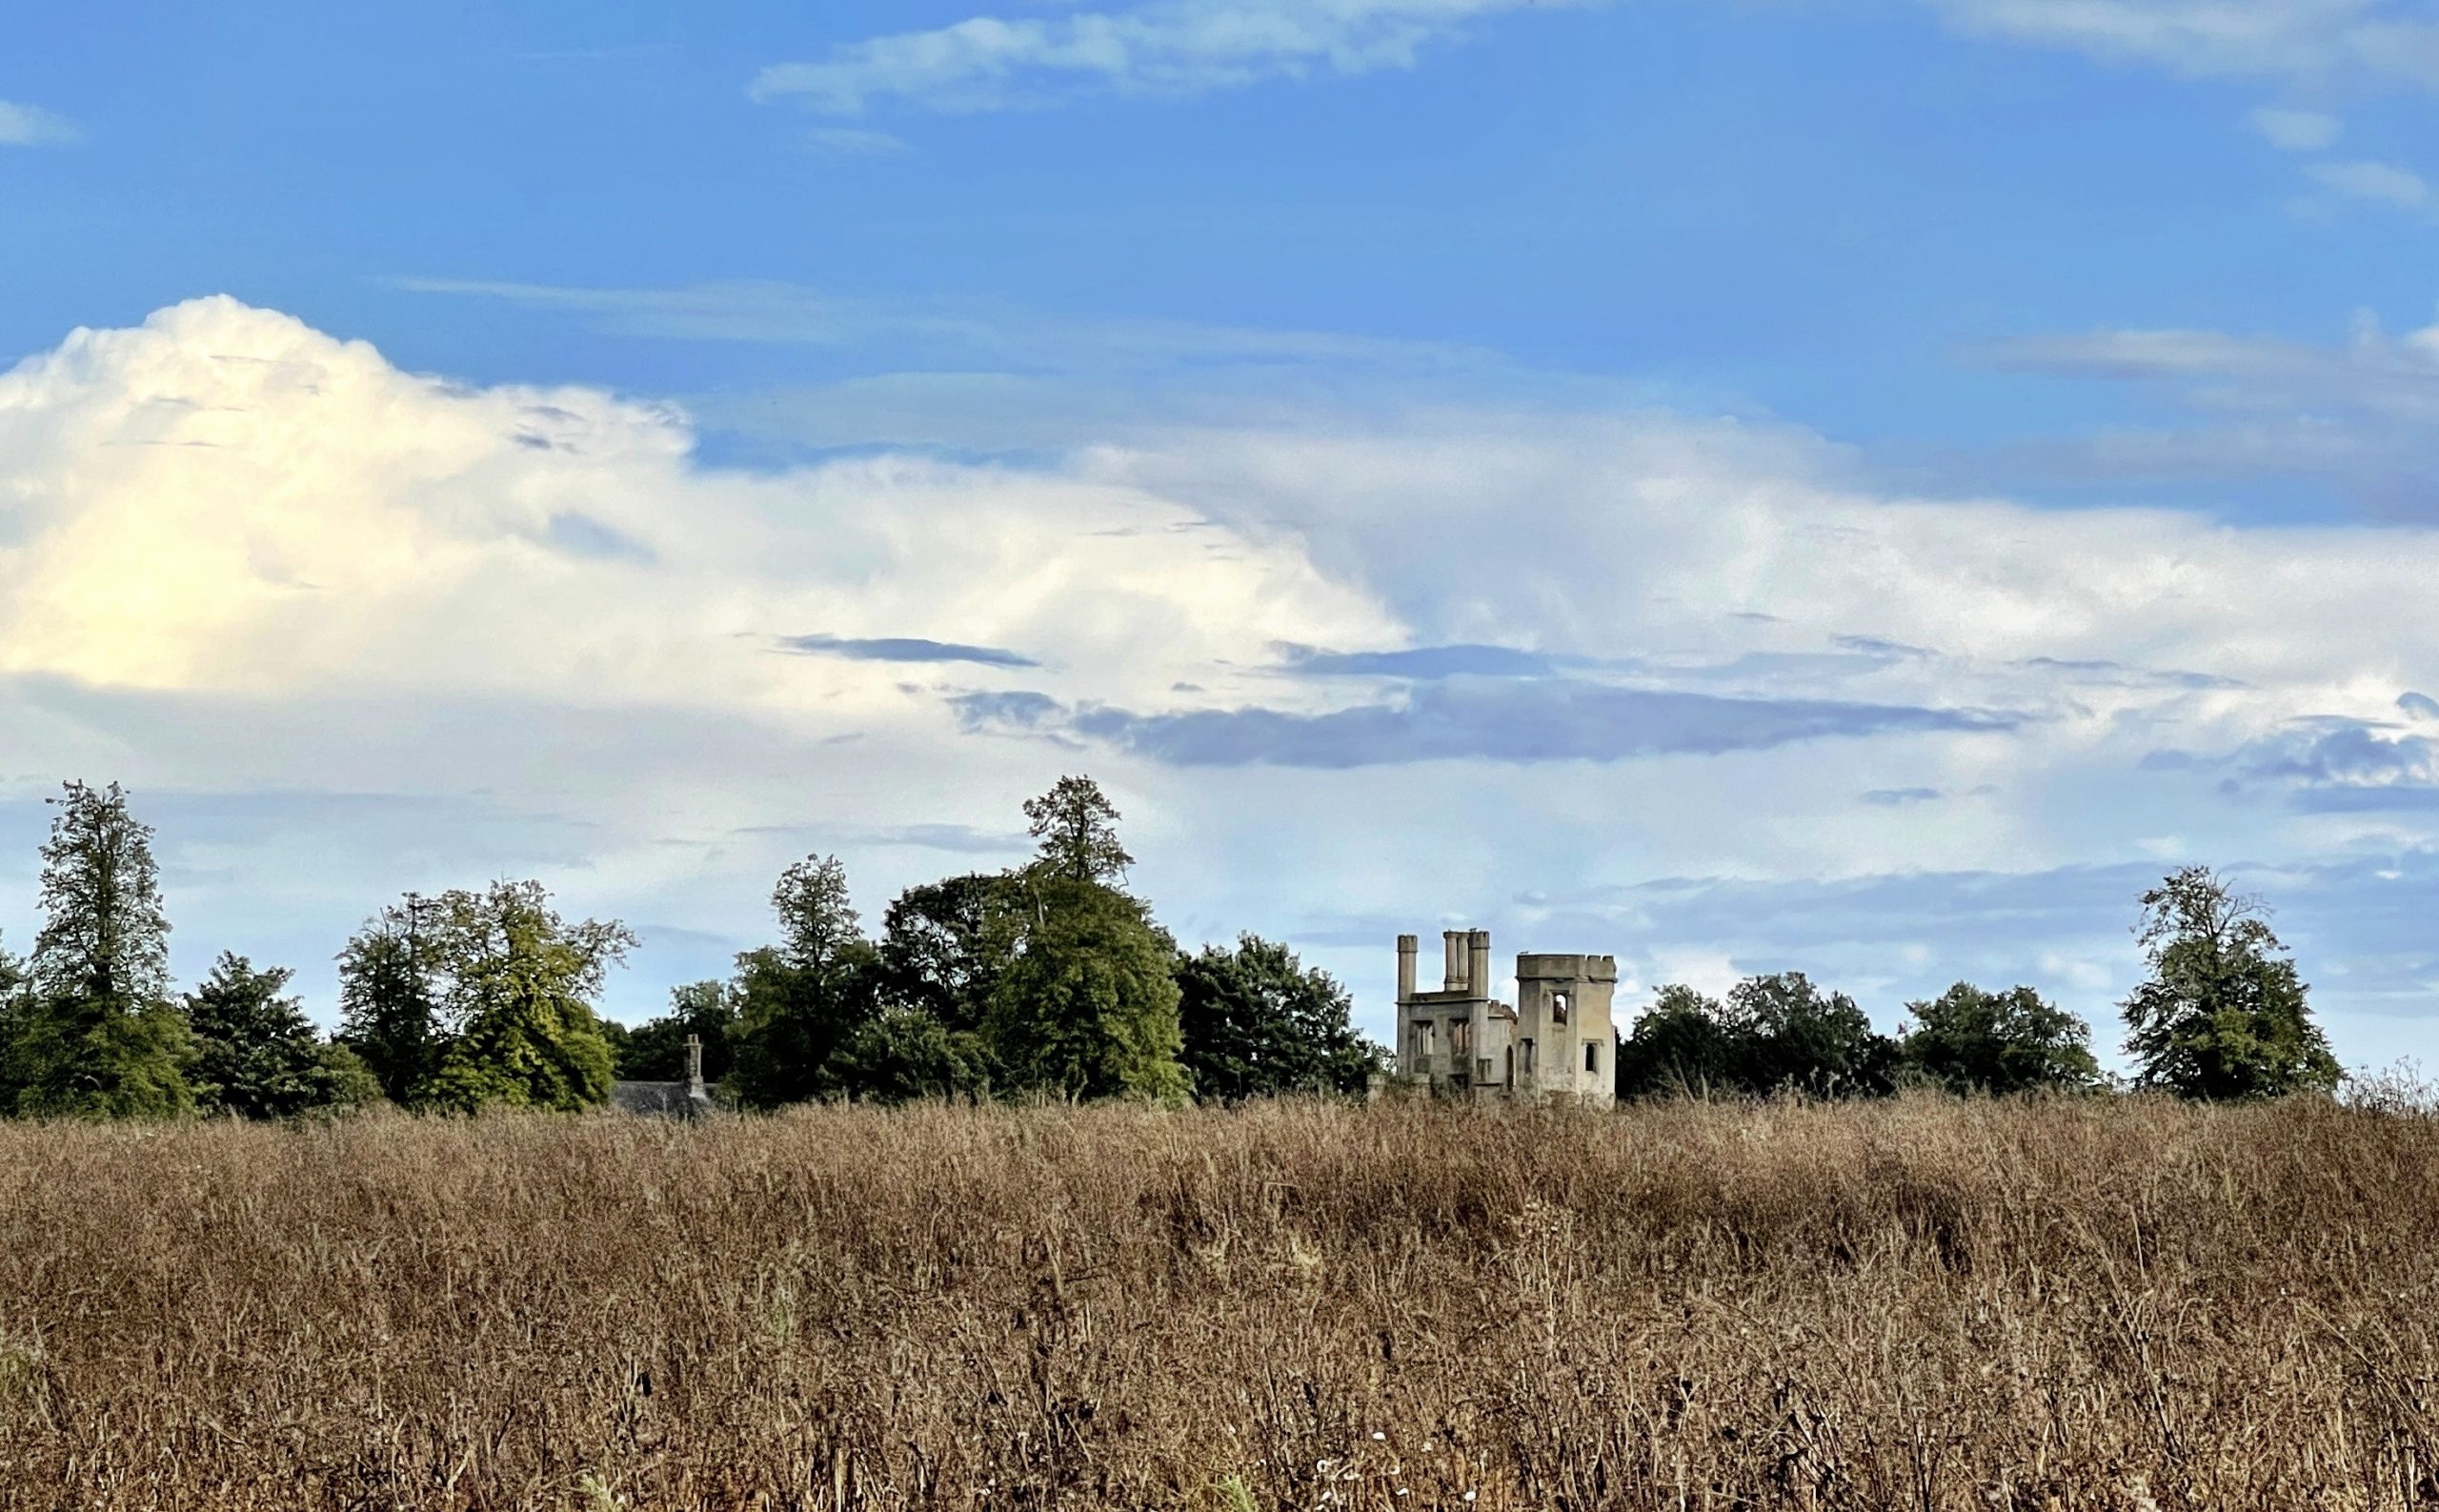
(1554, 1043)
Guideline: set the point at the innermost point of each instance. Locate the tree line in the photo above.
(2221, 1015)
(1049, 978)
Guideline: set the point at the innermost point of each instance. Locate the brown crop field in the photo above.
(1922, 1303)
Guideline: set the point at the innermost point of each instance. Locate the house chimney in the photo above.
(1406, 947)
(1452, 946)
(1478, 968)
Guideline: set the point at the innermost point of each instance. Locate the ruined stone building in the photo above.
(1554, 1043)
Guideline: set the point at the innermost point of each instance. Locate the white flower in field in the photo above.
(1470, 1496)
(1378, 1436)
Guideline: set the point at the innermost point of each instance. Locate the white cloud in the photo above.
(1169, 47)
(32, 126)
(2383, 183)
(2309, 40)
(2297, 131)
(226, 499)
(333, 622)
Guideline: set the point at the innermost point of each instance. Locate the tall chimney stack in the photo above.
(1407, 945)
(695, 1066)
(1452, 946)
(1478, 966)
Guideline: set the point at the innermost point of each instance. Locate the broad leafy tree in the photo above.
(256, 1054)
(1799, 1038)
(943, 945)
(470, 998)
(2223, 1015)
(1076, 826)
(1682, 1046)
(1970, 1040)
(1258, 1022)
(519, 984)
(906, 1055)
(1777, 1033)
(389, 998)
(1088, 1007)
(97, 1034)
(799, 1002)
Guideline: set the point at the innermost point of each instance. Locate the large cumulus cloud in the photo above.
(350, 630)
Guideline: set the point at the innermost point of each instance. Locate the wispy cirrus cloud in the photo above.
(1172, 49)
(2382, 183)
(32, 126)
(2297, 131)
(2315, 41)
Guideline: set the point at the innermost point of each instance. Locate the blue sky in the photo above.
(1854, 484)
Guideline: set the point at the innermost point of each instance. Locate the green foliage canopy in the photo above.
(95, 1033)
(1256, 1023)
(1966, 1039)
(478, 997)
(258, 1055)
(2223, 1015)
(1077, 827)
(1088, 1007)
(798, 1002)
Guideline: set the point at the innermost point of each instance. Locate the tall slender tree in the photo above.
(800, 1000)
(388, 1001)
(98, 1035)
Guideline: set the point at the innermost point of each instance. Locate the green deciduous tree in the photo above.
(1088, 1006)
(1077, 827)
(1776, 1033)
(97, 1034)
(906, 1055)
(1256, 1022)
(256, 1054)
(2223, 1015)
(1797, 1036)
(471, 999)
(388, 1001)
(518, 1000)
(943, 945)
(800, 1000)
(1682, 1046)
(1970, 1040)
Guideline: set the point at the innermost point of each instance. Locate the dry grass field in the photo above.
(2121, 1305)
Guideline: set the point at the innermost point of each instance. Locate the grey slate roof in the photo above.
(658, 1099)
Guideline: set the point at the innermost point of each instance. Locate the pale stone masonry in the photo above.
(1555, 1041)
